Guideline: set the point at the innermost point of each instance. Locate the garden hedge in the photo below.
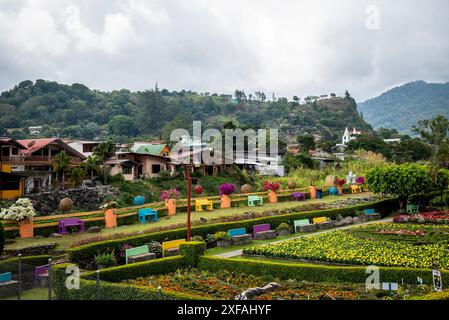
(107, 290)
(313, 272)
(88, 251)
(443, 295)
(28, 263)
(192, 251)
(2, 239)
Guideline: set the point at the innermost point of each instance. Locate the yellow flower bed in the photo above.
(341, 247)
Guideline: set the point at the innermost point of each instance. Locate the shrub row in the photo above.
(314, 272)
(90, 250)
(88, 290)
(28, 263)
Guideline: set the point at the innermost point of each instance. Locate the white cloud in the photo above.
(289, 47)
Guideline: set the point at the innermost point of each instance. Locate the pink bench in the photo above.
(263, 231)
(38, 271)
(70, 222)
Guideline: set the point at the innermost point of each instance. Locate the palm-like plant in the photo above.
(92, 164)
(104, 151)
(77, 175)
(61, 163)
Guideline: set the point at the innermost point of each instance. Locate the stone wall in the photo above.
(89, 199)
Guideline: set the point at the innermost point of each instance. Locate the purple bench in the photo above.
(297, 196)
(71, 222)
(263, 231)
(38, 271)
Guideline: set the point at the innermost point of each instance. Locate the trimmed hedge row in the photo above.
(2, 238)
(443, 295)
(314, 272)
(107, 290)
(90, 250)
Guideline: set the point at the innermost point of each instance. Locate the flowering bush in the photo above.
(341, 182)
(109, 205)
(360, 180)
(170, 194)
(21, 210)
(273, 186)
(428, 217)
(226, 189)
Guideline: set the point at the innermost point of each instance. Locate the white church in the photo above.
(348, 136)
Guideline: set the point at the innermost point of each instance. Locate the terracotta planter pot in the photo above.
(225, 201)
(272, 196)
(110, 218)
(26, 228)
(313, 192)
(340, 189)
(170, 204)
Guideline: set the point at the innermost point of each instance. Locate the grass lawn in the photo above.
(66, 241)
(33, 294)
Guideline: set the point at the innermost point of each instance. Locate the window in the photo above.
(54, 152)
(127, 169)
(15, 151)
(155, 168)
(5, 152)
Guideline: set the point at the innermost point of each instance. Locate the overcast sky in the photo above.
(288, 47)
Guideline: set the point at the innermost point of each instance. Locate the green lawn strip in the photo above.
(33, 294)
(64, 242)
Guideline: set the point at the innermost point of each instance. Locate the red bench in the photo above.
(71, 222)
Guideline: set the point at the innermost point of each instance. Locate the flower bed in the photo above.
(227, 285)
(346, 248)
(440, 217)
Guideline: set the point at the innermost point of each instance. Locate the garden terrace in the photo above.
(88, 251)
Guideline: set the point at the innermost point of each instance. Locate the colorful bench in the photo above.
(298, 196)
(38, 273)
(199, 203)
(372, 214)
(333, 191)
(171, 248)
(356, 189)
(70, 222)
(139, 254)
(412, 209)
(239, 236)
(323, 223)
(255, 200)
(304, 225)
(147, 212)
(5, 277)
(319, 194)
(263, 231)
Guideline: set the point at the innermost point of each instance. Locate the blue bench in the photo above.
(333, 191)
(147, 212)
(372, 214)
(236, 232)
(239, 236)
(5, 277)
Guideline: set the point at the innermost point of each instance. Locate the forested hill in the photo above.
(75, 111)
(401, 107)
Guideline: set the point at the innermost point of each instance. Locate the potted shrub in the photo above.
(222, 239)
(110, 216)
(272, 188)
(226, 190)
(22, 212)
(284, 229)
(170, 196)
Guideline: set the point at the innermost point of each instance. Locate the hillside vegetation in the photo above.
(75, 111)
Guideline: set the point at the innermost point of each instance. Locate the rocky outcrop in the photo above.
(47, 203)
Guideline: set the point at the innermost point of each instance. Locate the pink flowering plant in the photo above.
(440, 217)
(170, 194)
(226, 189)
(360, 180)
(273, 186)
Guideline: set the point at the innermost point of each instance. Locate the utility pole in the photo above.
(187, 177)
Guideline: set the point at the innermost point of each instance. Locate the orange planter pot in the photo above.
(26, 228)
(110, 218)
(225, 201)
(340, 189)
(272, 196)
(171, 207)
(313, 192)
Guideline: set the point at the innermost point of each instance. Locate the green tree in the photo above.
(370, 142)
(77, 174)
(435, 133)
(61, 164)
(151, 106)
(92, 165)
(122, 126)
(306, 142)
(400, 180)
(104, 151)
(442, 181)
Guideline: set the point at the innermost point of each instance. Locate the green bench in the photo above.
(412, 209)
(254, 201)
(304, 225)
(139, 254)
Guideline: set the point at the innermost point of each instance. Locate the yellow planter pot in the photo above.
(171, 207)
(225, 201)
(110, 218)
(26, 228)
